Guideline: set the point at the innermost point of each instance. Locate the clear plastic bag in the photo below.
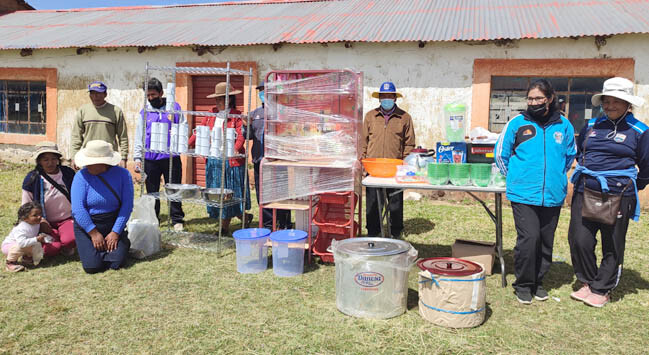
(143, 229)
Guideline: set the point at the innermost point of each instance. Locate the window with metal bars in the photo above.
(22, 107)
(508, 98)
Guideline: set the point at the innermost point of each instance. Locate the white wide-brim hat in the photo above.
(620, 88)
(45, 147)
(97, 152)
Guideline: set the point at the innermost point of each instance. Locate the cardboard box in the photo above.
(479, 252)
(451, 152)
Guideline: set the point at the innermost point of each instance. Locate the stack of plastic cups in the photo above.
(159, 135)
(202, 140)
(230, 137)
(216, 137)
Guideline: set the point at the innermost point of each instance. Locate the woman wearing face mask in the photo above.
(610, 148)
(235, 168)
(534, 152)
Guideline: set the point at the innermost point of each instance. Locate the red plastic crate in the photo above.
(334, 220)
(322, 242)
(338, 198)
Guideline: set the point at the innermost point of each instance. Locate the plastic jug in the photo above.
(454, 122)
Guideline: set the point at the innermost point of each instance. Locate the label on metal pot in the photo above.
(368, 280)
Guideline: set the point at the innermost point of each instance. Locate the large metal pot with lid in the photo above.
(372, 276)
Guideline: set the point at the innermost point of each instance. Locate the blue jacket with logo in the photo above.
(608, 148)
(535, 159)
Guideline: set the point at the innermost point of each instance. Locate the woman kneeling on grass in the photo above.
(102, 201)
(534, 152)
(49, 184)
(610, 147)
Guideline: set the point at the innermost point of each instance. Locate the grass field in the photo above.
(184, 300)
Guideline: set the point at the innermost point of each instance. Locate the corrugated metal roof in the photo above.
(238, 24)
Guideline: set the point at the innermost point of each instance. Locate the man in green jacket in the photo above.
(100, 120)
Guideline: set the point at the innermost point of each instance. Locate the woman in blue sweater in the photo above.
(102, 201)
(534, 152)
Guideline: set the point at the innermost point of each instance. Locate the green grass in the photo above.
(185, 300)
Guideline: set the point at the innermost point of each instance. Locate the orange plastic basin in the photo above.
(381, 167)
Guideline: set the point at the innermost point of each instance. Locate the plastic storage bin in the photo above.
(288, 252)
(438, 173)
(252, 253)
(481, 174)
(459, 174)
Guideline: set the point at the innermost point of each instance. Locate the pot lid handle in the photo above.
(370, 244)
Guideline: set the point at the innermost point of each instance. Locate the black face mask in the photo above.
(157, 102)
(536, 111)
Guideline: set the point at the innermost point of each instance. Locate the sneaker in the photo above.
(179, 227)
(595, 300)
(14, 267)
(581, 294)
(541, 294)
(524, 296)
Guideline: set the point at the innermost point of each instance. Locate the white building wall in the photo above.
(428, 77)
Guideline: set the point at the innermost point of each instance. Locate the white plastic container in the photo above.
(288, 252)
(372, 276)
(252, 252)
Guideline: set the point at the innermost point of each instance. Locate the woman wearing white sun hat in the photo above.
(609, 149)
(102, 201)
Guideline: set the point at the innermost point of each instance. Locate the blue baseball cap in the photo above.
(97, 86)
(386, 88)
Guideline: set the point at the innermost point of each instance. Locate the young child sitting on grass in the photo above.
(24, 240)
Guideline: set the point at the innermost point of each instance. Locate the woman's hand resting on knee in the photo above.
(97, 240)
(111, 241)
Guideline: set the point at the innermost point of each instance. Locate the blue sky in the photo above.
(75, 4)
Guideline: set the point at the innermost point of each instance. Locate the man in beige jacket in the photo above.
(388, 132)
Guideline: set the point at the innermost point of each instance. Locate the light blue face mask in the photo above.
(261, 97)
(387, 104)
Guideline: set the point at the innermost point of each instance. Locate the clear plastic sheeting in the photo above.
(325, 145)
(283, 180)
(313, 116)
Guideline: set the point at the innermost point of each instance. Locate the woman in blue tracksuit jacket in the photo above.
(534, 152)
(613, 145)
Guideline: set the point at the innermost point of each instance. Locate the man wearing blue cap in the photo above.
(388, 132)
(100, 120)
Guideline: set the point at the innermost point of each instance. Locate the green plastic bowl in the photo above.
(460, 174)
(481, 174)
(438, 173)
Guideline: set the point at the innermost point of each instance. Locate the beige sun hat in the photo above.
(46, 147)
(219, 90)
(620, 88)
(97, 152)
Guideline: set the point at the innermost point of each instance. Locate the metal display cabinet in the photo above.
(188, 239)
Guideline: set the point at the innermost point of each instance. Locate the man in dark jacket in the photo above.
(388, 132)
(257, 152)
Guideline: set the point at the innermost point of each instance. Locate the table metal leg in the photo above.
(386, 200)
(379, 197)
(499, 236)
